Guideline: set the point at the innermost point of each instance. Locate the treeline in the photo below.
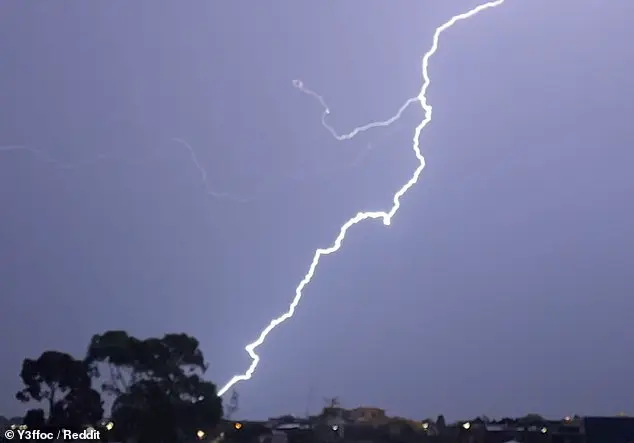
(155, 386)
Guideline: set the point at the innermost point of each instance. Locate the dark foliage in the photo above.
(64, 384)
(156, 384)
(159, 392)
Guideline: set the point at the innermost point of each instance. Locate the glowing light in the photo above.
(109, 426)
(361, 216)
(466, 425)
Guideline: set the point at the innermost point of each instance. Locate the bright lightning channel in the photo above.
(386, 216)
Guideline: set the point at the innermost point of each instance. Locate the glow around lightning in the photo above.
(385, 216)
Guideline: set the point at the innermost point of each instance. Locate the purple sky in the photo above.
(503, 286)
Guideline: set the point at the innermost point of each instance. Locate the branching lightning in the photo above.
(385, 216)
(262, 189)
(271, 186)
(204, 178)
(60, 164)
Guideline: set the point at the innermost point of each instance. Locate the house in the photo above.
(365, 414)
(609, 429)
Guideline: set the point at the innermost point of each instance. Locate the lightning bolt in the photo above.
(361, 216)
(368, 215)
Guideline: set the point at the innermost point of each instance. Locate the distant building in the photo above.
(609, 429)
(368, 415)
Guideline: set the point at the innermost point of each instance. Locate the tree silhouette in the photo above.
(35, 418)
(157, 385)
(531, 420)
(64, 384)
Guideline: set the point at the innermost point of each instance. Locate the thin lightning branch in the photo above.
(272, 186)
(386, 216)
(48, 159)
(305, 175)
(205, 179)
(43, 156)
(101, 157)
(324, 115)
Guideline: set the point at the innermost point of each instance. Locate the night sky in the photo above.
(504, 285)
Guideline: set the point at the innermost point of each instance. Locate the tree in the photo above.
(531, 420)
(159, 394)
(64, 383)
(81, 407)
(130, 359)
(440, 422)
(35, 418)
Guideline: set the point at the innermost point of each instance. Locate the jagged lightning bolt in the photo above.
(385, 216)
